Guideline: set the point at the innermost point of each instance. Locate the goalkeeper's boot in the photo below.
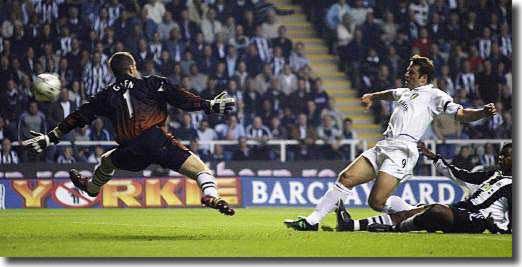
(80, 182)
(301, 224)
(217, 203)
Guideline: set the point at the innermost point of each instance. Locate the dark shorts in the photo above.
(465, 221)
(154, 146)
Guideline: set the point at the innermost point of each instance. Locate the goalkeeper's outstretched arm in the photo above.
(80, 117)
(183, 99)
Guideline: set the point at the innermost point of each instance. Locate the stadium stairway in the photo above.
(325, 66)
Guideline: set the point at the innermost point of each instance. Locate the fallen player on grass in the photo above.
(487, 208)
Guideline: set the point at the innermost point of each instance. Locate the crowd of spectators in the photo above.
(208, 46)
(205, 46)
(469, 42)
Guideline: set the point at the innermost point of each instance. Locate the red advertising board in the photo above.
(119, 192)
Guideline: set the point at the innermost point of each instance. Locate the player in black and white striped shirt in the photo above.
(488, 207)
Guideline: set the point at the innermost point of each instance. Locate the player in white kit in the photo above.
(393, 159)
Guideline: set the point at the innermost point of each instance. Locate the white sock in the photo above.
(395, 204)
(362, 225)
(207, 183)
(327, 202)
(381, 219)
(356, 225)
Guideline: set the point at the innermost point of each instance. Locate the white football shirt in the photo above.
(416, 109)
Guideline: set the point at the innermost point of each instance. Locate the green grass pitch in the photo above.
(253, 232)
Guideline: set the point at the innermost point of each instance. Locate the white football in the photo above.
(46, 87)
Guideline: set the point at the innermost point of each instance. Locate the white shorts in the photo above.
(395, 157)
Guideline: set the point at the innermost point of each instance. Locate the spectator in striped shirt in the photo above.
(466, 80)
(484, 43)
(258, 131)
(7, 155)
(95, 75)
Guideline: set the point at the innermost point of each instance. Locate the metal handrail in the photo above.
(432, 144)
(282, 143)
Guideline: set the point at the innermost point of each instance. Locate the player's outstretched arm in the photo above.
(367, 99)
(183, 99)
(80, 117)
(444, 169)
(470, 114)
(427, 152)
(221, 104)
(451, 170)
(41, 141)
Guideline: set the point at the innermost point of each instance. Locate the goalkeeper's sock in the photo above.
(102, 175)
(395, 204)
(328, 202)
(207, 183)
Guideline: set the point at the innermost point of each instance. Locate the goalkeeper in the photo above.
(137, 108)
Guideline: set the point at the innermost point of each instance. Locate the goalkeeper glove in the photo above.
(217, 203)
(41, 141)
(221, 104)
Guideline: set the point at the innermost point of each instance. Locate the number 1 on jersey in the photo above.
(127, 97)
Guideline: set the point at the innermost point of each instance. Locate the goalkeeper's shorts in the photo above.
(152, 146)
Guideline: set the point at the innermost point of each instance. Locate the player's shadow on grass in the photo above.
(148, 237)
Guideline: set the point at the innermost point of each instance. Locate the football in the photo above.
(46, 87)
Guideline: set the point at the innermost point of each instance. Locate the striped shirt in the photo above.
(495, 122)
(8, 158)
(155, 49)
(47, 12)
(263, 131)
(65, 45)
(491, 192)
(99, 26)
(506, 46)
(466, 81)
(263, 48)
(484, 46)
(114, 13)
(95, 78)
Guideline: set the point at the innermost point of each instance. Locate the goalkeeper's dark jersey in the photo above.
(492, 198)
(133, 105)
